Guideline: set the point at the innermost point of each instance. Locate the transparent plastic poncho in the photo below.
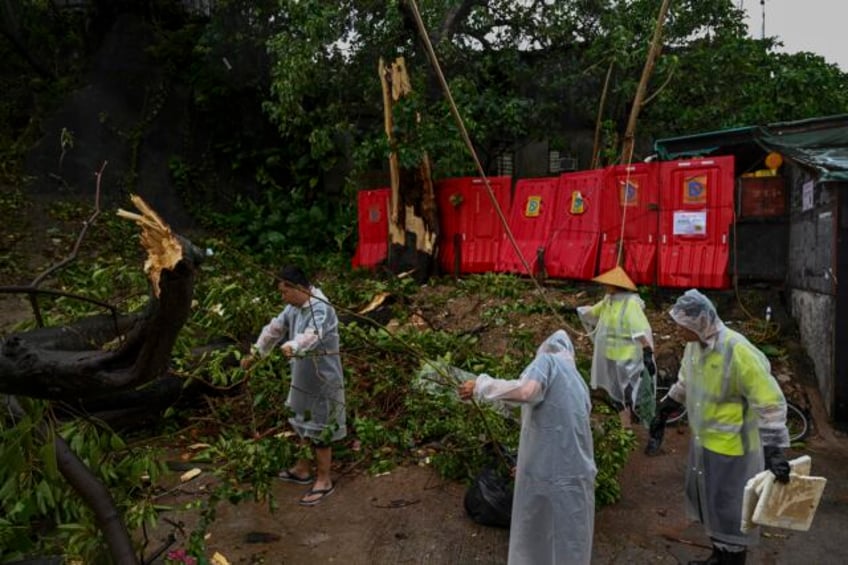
(554, 499)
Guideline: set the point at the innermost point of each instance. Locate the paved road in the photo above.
(648, 524)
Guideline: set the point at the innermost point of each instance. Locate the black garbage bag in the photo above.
(488, 500)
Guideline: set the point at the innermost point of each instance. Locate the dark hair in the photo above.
(294, 275)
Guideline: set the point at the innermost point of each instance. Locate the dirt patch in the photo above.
(13, 310)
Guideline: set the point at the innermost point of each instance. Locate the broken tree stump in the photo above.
(95, 356)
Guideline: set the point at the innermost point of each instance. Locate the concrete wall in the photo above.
(813, 298)
(814, 313)
(811, 235)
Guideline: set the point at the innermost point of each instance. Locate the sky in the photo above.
(802, 25)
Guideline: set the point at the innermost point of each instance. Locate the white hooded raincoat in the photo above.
(735, 407)
(317, 389)
(615, 325)
(553, 509)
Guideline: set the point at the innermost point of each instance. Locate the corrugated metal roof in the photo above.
(818, 143)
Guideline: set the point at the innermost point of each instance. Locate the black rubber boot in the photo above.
(734, 558)
(713, 559)
(721, 557)
(655, 437)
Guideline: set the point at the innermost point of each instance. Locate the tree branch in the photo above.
(99, 499)
(660, 87)
(89, 488)
(453, 18)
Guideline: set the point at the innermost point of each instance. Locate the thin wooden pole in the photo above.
(596, 149)
(638, 99)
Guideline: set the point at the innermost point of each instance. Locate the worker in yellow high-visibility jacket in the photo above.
(737, 418)
(623, 356)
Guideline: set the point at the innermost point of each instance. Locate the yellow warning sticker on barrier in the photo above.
(534, 206)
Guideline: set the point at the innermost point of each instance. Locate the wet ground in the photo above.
(410, 516)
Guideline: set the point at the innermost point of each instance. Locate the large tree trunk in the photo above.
(413, 221)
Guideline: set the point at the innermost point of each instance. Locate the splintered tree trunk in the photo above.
(413, 222)
(98, 356)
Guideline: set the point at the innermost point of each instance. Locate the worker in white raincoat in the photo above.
(307, 333)
(737, 417)
(553, 508)
(623, 355)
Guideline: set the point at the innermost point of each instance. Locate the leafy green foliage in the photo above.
(287, 221)
(41, 512)
(613, 445)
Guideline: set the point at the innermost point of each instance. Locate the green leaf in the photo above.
(47, 452)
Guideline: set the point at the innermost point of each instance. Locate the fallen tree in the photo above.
(96, 357)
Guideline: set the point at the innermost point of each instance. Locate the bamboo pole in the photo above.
(638, 99)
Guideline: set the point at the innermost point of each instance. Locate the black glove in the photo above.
(667, 407)
(776, 463)
(657, 430)
(648, 359)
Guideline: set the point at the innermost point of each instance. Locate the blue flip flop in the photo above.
(289, 477)
(322, 492)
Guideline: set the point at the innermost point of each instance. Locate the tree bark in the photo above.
(98, 498)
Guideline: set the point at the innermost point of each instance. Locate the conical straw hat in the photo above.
(616, 277)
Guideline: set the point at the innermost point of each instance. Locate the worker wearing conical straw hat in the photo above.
(623, 356)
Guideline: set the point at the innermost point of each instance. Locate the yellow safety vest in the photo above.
(622, 319)
(733, 380)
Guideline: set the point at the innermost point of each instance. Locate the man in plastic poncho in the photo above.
(553, 508)
(309, 329)
(737, 417)
(623, 346)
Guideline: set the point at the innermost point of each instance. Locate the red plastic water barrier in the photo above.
(530, 221)
(676, 214)
(697, 213)
(471, 232)
(572, 248)
(373, 227)
(631, 195)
